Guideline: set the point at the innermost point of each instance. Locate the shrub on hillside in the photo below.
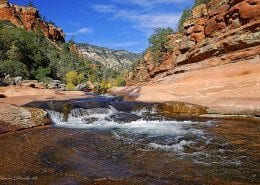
(137, 63)
(158, 43)
(40, 56)
(185, 15)
(13, 68)
(30, 4)
(199, 2)
(73, 79)
(120, 82)
(188, 12)
(104, 86)
(42, 74)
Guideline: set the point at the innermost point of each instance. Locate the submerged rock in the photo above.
(123, 117)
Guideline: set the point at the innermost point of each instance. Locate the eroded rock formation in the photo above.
(29, 18)
(221, 32)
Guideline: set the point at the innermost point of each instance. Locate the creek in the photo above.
(104, 140)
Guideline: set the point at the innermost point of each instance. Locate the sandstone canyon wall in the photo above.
(217, 33)
(29, 18)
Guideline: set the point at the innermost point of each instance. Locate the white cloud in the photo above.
(142, 21)
(104, 8)
(84, 30)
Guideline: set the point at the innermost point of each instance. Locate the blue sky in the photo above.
(117, 24)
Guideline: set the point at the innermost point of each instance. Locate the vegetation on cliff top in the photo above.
(30, 55)
(199, 2)
(186, 14)
(158, 43)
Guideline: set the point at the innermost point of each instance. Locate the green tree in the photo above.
(37, 57)
(104, 86)
(13, 53)
(14, 68)
(72, 39)
(120, 82)
(52, 22)
(159, 43)
(185, 15)
(199, 2)
(42, 74)
(31, 4)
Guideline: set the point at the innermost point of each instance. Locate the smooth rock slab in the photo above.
(14, 118)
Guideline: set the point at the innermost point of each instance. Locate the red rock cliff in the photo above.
(29, 18)
(217, 33)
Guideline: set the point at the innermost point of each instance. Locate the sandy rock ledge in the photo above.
(14, 118)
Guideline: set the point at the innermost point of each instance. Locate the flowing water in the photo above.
(104, 140)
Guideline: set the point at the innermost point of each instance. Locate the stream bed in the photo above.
(104, 140)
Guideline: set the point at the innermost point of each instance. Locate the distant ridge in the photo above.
(109, 58)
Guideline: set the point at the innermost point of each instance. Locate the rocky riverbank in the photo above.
(13, 116)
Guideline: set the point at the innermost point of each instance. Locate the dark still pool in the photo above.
(112, 142)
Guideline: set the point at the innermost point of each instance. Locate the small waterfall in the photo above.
(161, 134)
(147, 129)
(78, 113)
(56, 117)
